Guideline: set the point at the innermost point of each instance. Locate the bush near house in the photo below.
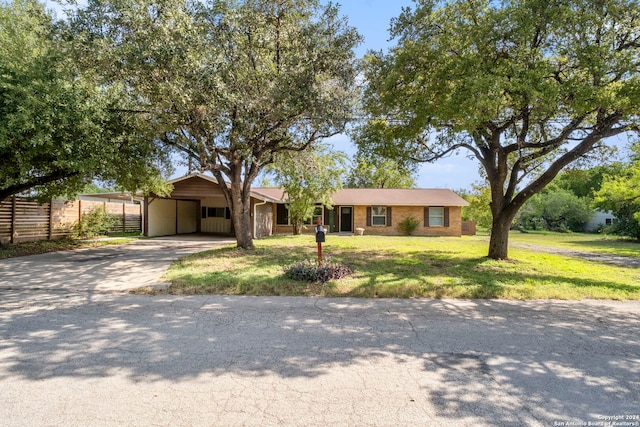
(96, 222)
(408, 225)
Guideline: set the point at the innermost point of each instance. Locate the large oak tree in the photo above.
(59, 129)
(230, 83)
(525, 86)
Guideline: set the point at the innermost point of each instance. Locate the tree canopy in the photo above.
(229, 84)
(59, 130)
(620, 193)
(374, 171)
(309, 180)
(525, 86)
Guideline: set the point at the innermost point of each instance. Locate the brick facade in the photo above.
(398, 213)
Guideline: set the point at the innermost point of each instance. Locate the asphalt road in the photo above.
(89, 356)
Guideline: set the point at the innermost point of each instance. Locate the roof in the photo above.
(275, 195)
(362, 196)
(122, 196)
(378, 196)
(192, 175)
(398, 197)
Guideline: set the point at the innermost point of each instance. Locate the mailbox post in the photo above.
(320, 237)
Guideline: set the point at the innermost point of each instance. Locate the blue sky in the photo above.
(372, 19)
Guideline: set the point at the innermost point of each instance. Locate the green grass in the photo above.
(11, 250)
(598, 243)
(403, 267)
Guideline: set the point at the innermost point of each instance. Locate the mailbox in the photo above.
(319, 234)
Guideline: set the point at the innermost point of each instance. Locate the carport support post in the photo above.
(145, 217)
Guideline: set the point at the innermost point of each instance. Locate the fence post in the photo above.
(13, 219)
(50, 233)
(124, 218)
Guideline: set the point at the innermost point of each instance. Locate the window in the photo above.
(282, 215)
(318, 212)
(378, 215)
(214, 212)
(436, 217)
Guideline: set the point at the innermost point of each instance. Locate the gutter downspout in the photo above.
(255, 215)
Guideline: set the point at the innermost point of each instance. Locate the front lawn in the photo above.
(587, 242)
(432, 267)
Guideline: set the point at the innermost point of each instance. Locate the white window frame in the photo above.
(315, 216)
(435, 216)
(378, 212)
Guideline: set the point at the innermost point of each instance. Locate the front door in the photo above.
(346, 218)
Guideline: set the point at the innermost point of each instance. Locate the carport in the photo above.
(197, 205)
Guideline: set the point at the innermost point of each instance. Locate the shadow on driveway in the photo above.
(112, 268)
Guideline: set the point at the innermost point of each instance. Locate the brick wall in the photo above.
(398, 213)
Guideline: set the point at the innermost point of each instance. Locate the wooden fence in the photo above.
(22, 220)
(468, 228)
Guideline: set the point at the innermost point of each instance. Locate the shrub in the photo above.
(96, 222)
(310, 271)
(408, 225)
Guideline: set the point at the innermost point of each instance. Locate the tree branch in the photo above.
(53, 176)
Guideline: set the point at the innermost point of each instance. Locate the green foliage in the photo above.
(585, 182)
(96, 222)
(309, 178)
(478, 210)
(59, 128)
(229, 84)
(310, 271)
(408, 225)
(556, 210)
(526, 87)
(372, 171)
(620, 194)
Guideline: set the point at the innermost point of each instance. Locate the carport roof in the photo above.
(194, 175)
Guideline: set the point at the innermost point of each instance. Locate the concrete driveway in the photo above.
(112, 268)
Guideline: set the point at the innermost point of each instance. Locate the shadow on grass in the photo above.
(431, 274)
(621, 247)
(435, 275)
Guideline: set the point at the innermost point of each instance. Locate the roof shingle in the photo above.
(379, 196)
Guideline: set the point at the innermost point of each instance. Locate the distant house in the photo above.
(600, 219)
(197, 205)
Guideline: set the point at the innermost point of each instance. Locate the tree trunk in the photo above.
(241, 215)
(297, 228)
(499, 241)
